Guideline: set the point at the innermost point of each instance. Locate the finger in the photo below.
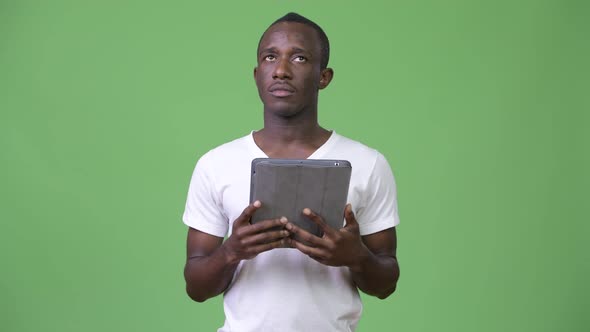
(263, 226)
(315, 253)
(318, 220)
(289, 242)
(247, 213)
(282, 243)
(265, 237)
(349, 217)
(303, 235)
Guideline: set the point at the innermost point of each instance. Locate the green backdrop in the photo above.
(481, 108)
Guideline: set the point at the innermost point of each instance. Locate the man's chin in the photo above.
(284, 111)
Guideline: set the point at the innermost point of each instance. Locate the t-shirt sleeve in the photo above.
(203, 210)
(379, 208)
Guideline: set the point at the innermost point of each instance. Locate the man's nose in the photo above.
(282, 69)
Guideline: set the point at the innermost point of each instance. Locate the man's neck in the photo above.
(290, 137)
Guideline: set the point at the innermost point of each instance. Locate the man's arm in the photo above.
(211, 263)
(371, 258)
(378, 273)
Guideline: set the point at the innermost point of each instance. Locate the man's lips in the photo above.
(281, 90)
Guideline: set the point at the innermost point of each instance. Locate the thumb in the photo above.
(246, 215)
(349, 217)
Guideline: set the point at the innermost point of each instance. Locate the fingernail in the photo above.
(257, 204)
(284, 220)
(306, 211)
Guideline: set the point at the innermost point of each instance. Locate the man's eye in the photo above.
(269, 58)
(300, 58)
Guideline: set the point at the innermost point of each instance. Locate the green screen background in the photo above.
(481, 109)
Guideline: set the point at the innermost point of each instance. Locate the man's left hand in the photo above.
(337, 247)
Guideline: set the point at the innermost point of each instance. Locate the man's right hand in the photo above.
(248, 240)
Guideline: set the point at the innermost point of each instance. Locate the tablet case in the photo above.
(287, 186)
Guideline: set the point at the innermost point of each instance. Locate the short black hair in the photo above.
(324, 42)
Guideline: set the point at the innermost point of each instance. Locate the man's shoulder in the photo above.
(226, 151)
(355, 145)
(364, 159)
(237, 144)
(355, 149)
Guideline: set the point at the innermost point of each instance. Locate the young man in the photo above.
(270, 281)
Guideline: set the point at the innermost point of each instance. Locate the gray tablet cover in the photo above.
(287, 186)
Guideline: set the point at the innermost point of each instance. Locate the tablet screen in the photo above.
(286, 186)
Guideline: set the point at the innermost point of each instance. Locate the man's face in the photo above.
(288, 74)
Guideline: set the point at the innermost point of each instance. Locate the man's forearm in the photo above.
(376, 275)
(208, 276)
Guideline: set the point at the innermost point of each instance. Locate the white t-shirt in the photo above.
(283, 289)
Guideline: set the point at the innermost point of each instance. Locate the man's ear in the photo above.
(326, 77)
(255, 68)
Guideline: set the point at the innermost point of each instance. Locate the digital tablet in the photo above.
(286, 186)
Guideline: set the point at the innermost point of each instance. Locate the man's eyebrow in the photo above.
(298, 50)
(274, 50)
(268, 50)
